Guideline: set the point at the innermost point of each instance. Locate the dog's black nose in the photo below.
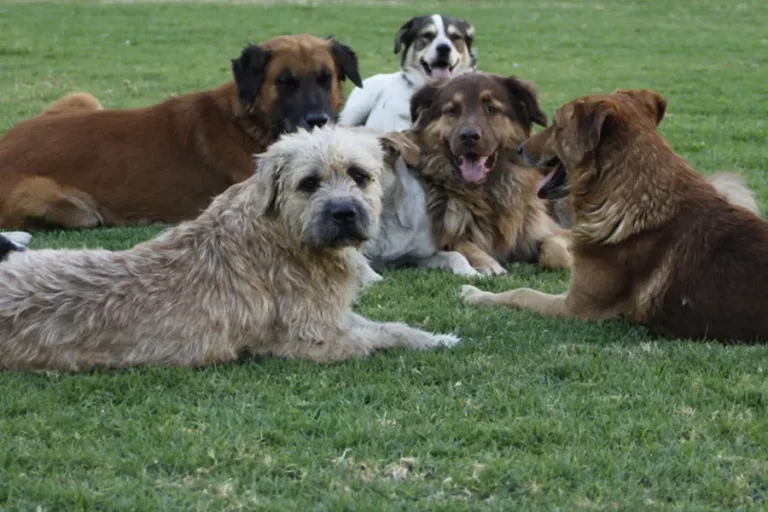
(343, 213)
(443, 49)
(520, 149)
(470, 134)
(317, 119)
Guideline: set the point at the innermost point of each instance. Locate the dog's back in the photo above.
(72, 172)
(720, 277)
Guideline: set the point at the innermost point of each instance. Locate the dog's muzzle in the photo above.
(343, 223)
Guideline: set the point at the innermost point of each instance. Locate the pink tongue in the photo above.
(441, 73)
(546, 179)
(473, 169)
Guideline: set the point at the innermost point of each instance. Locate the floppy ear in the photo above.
(400, 37)
(346, 60)
(249, 70)
(398, 144)
(523, 95)
(421, 101)
(469, 37)
(269, 169)
(654, 103)
(594, 121)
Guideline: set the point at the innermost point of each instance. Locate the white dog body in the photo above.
(405, 231)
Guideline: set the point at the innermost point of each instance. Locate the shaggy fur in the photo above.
(79, 166)
(269, 268)
(480, 197)
(653, 241)
(405, 237)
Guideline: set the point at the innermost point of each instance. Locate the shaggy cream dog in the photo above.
(271, 267)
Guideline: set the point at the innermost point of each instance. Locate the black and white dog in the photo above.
(12, 242)
(430, 47)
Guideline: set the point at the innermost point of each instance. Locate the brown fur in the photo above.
(653, 241)
(74, 103)
(79, 166)
(499, 219)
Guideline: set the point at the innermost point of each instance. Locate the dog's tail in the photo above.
(734, 188)
(74, 102)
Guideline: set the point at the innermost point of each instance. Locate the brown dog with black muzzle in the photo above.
(654, 241)
(80, 166)
(481, 197)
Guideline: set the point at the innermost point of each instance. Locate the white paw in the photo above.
(471, 295)
(467, 271)
(447, 340)
(370, 277)
(460, 265)
(492, 269)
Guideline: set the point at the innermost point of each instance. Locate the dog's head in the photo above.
(585, 127)
(294, 81)
(473, 118)
(437, 46)
(323, 186)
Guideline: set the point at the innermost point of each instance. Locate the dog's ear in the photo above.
(269, 169)
(469, 37)
(595, 121)
(422, 102)
(249, 71)
(346, 61)
(654, 103)
(404, 36)
(525, 101)
(397, 144)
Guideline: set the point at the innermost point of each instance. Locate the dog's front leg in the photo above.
(521, 298)
(368, 336)
(479, 259)
(569, 304)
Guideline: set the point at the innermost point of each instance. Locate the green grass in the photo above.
(527, 414)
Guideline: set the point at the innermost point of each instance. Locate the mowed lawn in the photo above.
(528, 413)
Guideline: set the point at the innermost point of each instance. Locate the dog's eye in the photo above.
(492, 109)
(309, 184)
(287, 82)
(360, 176)
(324, 79)
(456, 37)
(452, 110)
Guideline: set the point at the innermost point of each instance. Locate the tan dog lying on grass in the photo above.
(654, 241)
(270, 267)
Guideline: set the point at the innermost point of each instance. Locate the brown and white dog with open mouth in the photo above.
(481, 198)
(80, 166)
(653, 241)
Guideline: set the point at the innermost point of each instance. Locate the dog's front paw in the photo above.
(492, 268)
(467, 272)
(447, 340)
(369, 277)
(471, 295)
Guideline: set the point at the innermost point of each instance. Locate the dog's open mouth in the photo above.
(555, 184)
(438, 69)
(474, 168)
